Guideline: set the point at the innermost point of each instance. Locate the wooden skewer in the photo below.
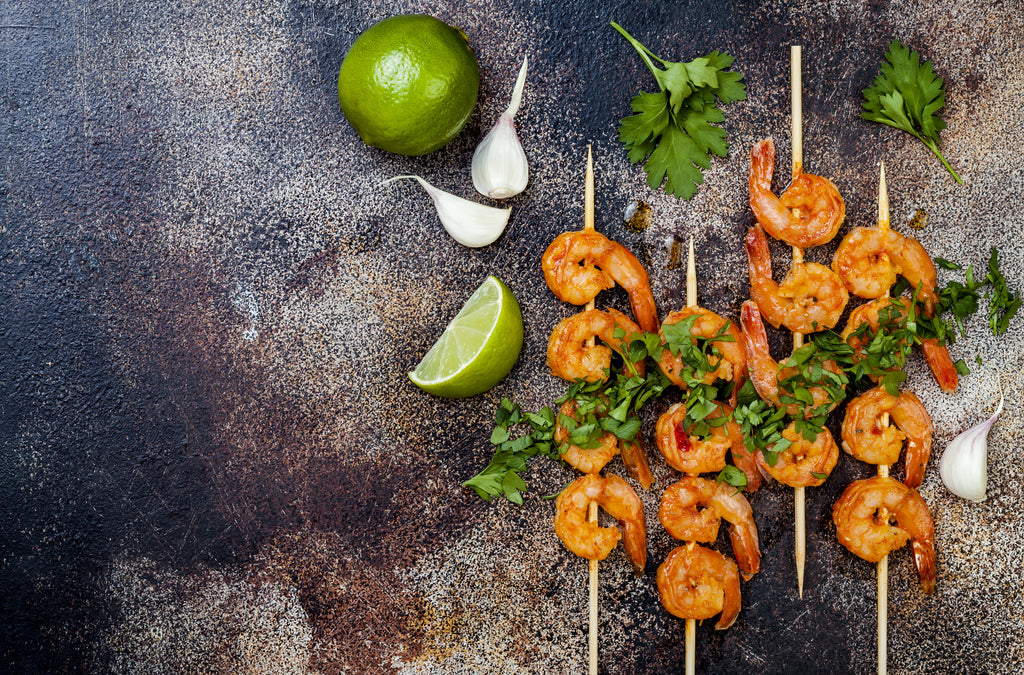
(799, 509)
(588, 226)
(883, 470)
(691, 624)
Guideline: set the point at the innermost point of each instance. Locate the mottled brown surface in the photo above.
(212, 459)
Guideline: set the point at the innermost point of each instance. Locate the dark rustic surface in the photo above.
(212, 460)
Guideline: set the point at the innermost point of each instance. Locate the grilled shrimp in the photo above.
(570, 357)
(870, 258)
(863, 529)
(590, 540)
(796, 465)
(881, 313)
(692, 454)
(765, 372)
(579, 265)
(683, 518)
(730, 363)
(867, 439)
(811, 297)
(587, 460)
(809, 213)
(696, 583)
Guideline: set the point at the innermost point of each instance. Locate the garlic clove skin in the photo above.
(964, 464)
(500, 169)
(469, 223)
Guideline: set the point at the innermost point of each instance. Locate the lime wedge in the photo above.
(478, 348)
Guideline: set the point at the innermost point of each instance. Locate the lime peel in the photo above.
(477, 348)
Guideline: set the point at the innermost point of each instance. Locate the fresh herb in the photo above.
(958, 301)
(501, 477)
(908, 95)
(733, 477)
(1002, 303)
(676, 130)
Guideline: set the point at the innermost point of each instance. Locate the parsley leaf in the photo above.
(675, 131)
(908, 95)
(1002, 303)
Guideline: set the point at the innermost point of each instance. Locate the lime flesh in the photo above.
(478, 347)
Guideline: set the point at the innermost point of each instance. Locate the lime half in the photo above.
(478, 348)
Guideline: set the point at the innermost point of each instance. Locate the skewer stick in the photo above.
(588, 226)
(799, 509)
(883, 470)
(691, 624)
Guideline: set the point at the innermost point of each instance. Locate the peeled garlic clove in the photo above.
(469, 223)
(500, 170)
(964, 464)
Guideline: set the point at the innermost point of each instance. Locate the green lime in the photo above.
(478, 348)
(408, 84)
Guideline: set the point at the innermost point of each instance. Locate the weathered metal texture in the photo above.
(212, 459)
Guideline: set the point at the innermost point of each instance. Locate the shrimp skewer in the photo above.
(695, 582)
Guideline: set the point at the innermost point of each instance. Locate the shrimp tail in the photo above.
(745, 462)
(746, 548)
(763, 371)
(924, 561)
(634, 540)
(762, 167)
(730, 599)
(759, 262)
(634, 457)
(941, 364)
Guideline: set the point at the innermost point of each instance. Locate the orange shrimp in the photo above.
(696, 583)
(867, 439)
(809, 213)
(896, 309)
(587, 460)
(692, 454)
(861, 528)
(796, 465)
(570, 357)
(729, 364)
(811, 297)
(590, 540)
(870, 258)
(766, 373)
(579, 265)
(682, 517)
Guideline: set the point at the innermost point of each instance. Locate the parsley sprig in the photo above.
(675, 129)
(908, 95)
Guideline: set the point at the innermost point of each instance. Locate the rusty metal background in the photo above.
(212, 460)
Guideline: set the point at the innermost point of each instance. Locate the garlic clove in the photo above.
(500, 169)
(964, 464)
(469, 223)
